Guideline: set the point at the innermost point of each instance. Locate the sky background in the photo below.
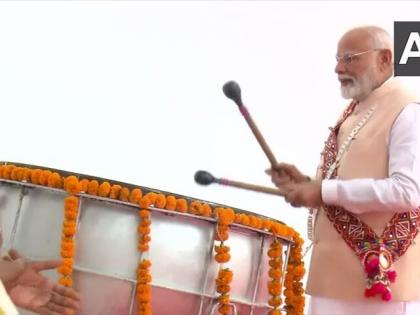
(132, 91)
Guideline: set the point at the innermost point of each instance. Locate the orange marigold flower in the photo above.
(145, 280)
(84, 185)
(136, 195)
(145, 202)
(67, 282)
(275, 263)
(67, 262)
(143, 229)
(206, 210)
(69, 231)
(275, 301)
(144, 214)
(92, 188)
(7, 171)
(72, 185)
(35, 174)
(152, 197)
(145, 264)
(224, 309)
(222, 249)
(26, 174)
(223, 288)
(67, 253)
(65, 270)
(16, 174)
(272, 252)
(104, 189)
(170, 203)
(115, 191)
(43, 178)
(181, 205)
(224, 299)
(195, 207)
(266, 224)
(145, 221)
(67, 245)
(68, 223)
(160, 201)
(71, 201)
(71, 215)
(124, 194)
(222, 258)
(54, 180)
(143, 247)
(275, 273)
(274, 312)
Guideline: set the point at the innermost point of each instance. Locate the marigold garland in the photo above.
(294, 292)
(71, 208)
(225, 217)
(275, 275)
(143, 293)
(143, 275)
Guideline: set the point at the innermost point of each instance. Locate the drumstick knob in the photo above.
(232, 90)
(203, 178)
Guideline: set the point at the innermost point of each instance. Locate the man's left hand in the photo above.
(33, 291)
(305, 194)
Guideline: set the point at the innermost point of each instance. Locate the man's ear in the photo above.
(385, 59)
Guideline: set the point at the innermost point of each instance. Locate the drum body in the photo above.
(106, 258)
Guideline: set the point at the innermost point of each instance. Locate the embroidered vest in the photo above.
(357, 255)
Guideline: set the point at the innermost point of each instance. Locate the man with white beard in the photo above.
(365, 198)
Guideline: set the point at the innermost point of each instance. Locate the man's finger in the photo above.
(45, 265)
(14, 254)
(68, 292)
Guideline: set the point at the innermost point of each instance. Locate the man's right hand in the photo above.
(284, 174)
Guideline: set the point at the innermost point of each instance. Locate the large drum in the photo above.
(181, 250)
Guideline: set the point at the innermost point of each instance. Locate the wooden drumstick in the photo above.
(205, 178)
(233, 91)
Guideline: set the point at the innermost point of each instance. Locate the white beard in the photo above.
(359, 88)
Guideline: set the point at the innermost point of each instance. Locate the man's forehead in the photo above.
(354, 42)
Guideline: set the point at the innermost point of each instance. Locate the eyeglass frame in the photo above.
(350, 56)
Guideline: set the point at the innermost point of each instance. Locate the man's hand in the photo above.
(33, 291)
(304, 194)
(284, 174)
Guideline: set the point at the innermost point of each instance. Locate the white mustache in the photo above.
(346, 77)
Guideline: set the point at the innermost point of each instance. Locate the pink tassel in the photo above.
(386, 296)
(372, 267)
(392, 275)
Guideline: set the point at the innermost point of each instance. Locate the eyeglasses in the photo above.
(349, 58)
